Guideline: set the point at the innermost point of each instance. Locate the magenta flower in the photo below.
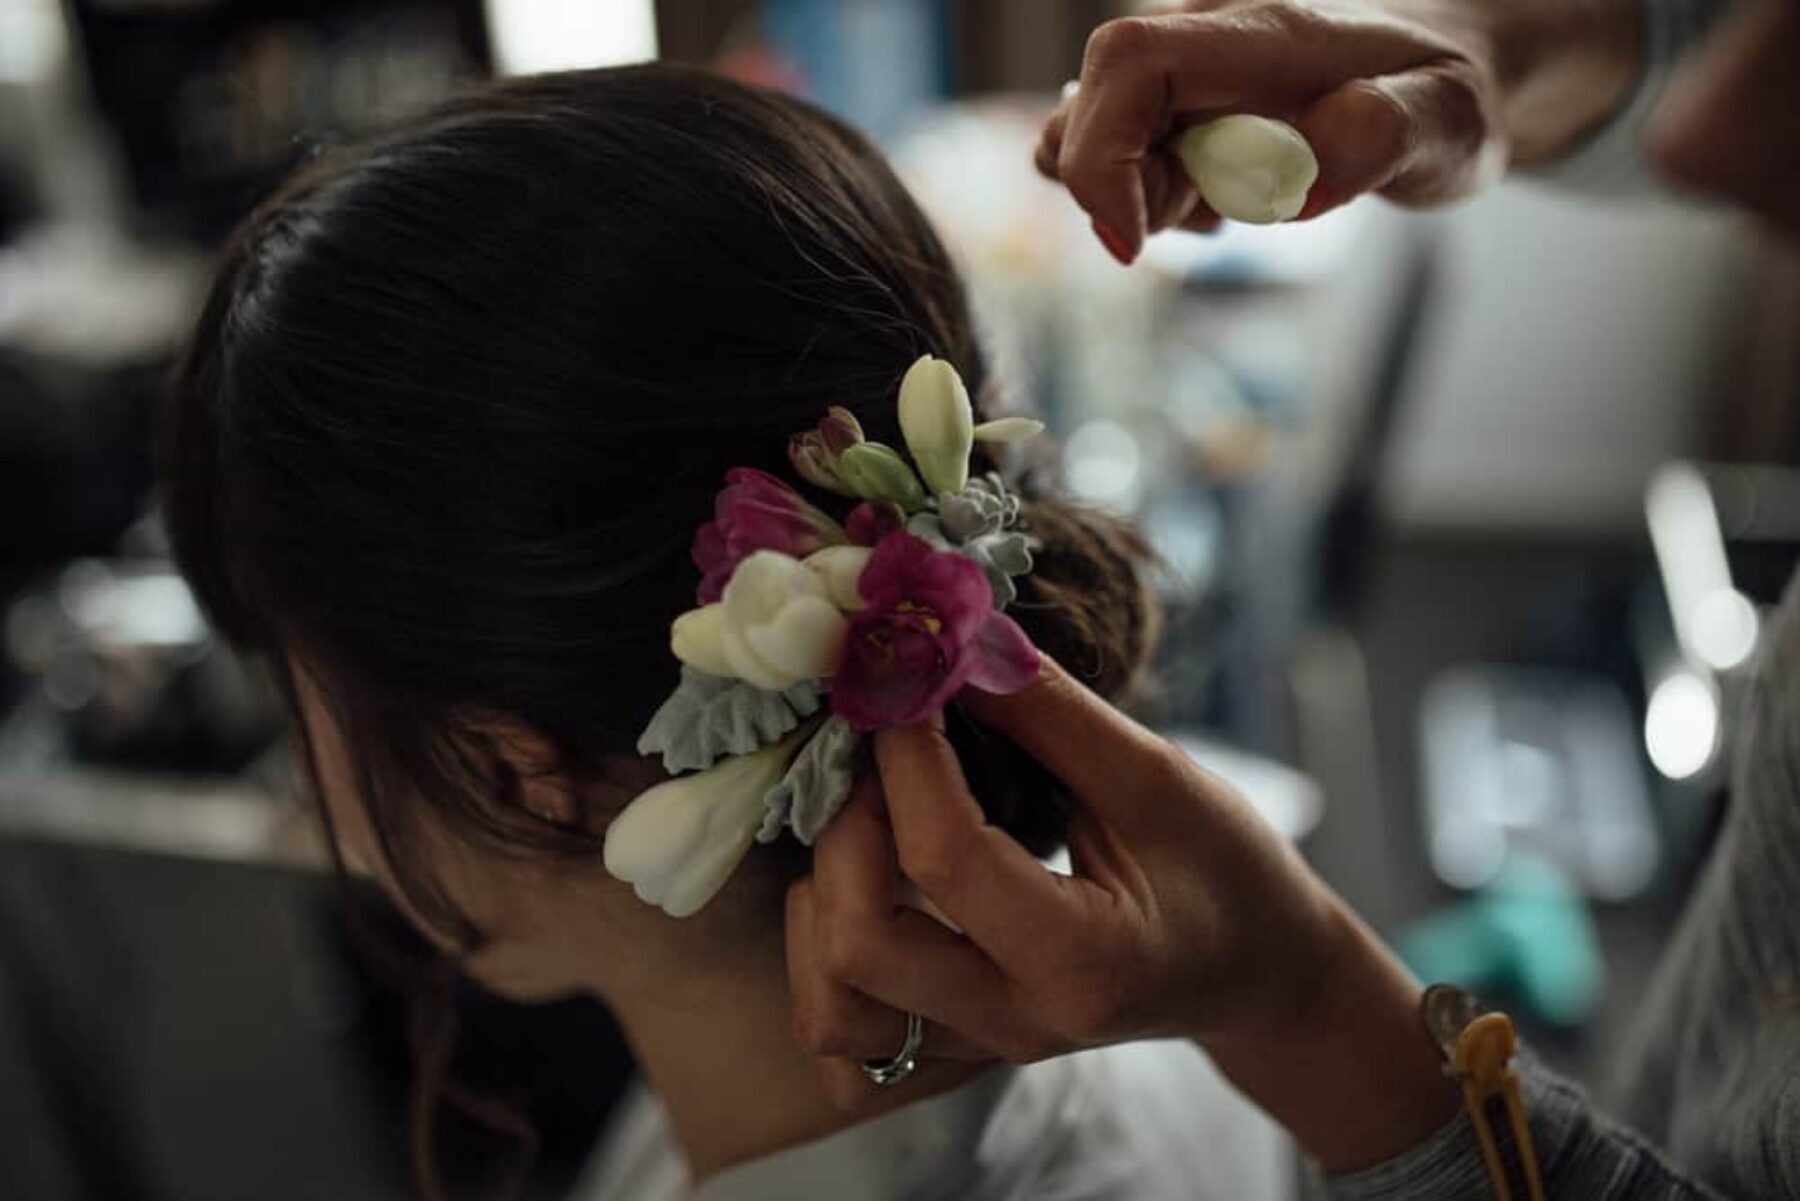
(874, 520)
(929, 628)
(755, 511)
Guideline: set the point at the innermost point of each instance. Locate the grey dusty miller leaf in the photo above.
(1001, 554)
(816, 785)
(984, 507)
(708, 717)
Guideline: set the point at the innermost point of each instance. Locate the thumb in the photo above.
(1418, 137)
(1360, 136)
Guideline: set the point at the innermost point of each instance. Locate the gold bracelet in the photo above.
(1478, 1051)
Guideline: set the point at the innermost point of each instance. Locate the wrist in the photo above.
(1561, 68)
(1349, 1068)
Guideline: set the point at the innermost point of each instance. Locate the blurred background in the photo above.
(1472, 524)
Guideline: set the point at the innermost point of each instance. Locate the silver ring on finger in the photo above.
(886, 1072)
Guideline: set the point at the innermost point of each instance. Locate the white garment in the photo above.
(1141, 1122)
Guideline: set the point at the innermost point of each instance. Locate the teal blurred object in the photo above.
(878, 64)
(1528, 936)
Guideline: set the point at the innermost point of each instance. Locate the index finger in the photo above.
(974, 872)
(1118, 769)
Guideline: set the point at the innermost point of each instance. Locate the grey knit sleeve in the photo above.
(1580, 1153)
(1611, 161)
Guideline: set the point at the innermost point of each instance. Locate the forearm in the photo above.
(1349, 1069)
(1564, 67)
(1356, 1079)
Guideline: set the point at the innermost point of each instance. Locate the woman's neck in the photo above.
(722, 1059)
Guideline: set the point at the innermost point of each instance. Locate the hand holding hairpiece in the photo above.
(812, 632)
(1255, 170)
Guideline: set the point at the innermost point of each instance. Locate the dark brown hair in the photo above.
(459, 398)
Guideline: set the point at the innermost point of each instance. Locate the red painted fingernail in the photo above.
(1116, 246)
(1315, 204)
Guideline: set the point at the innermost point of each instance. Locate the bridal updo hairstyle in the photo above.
(460, 397)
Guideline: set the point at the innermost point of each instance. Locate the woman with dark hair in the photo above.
(456, 405)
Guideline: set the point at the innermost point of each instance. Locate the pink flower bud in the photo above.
(840, 430)
(874, 520)
(756, 511)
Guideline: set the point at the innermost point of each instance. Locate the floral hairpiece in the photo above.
(812, 632)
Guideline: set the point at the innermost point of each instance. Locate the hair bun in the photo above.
(1087, 604)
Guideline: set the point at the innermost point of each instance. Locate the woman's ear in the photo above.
(527, 771)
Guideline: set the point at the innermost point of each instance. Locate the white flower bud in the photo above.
(780, 626)
(802, 639)
(698, 640)
(1008, 429)
(679, 842)
(841, 568)
(939, 423)
(1250, 169)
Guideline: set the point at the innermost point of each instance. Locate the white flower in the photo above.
(841, 568)
(1250, 169)
(1008, 429)
(780, 626)
(679, 842)
(698, 640)
(939, 423)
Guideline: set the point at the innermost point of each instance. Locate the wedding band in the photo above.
(893, 1071)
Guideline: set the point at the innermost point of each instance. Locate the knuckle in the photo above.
(1118, 42)
(935, 867)
(809, 1033)
(819, 1035)
(1391, 127)
(1297, 20)
(798, 907)
(1067, 170)
(1169, 773)
(1463, 105)
(847, 949)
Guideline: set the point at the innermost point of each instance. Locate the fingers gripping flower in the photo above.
(795, 606)
(1250, 169)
